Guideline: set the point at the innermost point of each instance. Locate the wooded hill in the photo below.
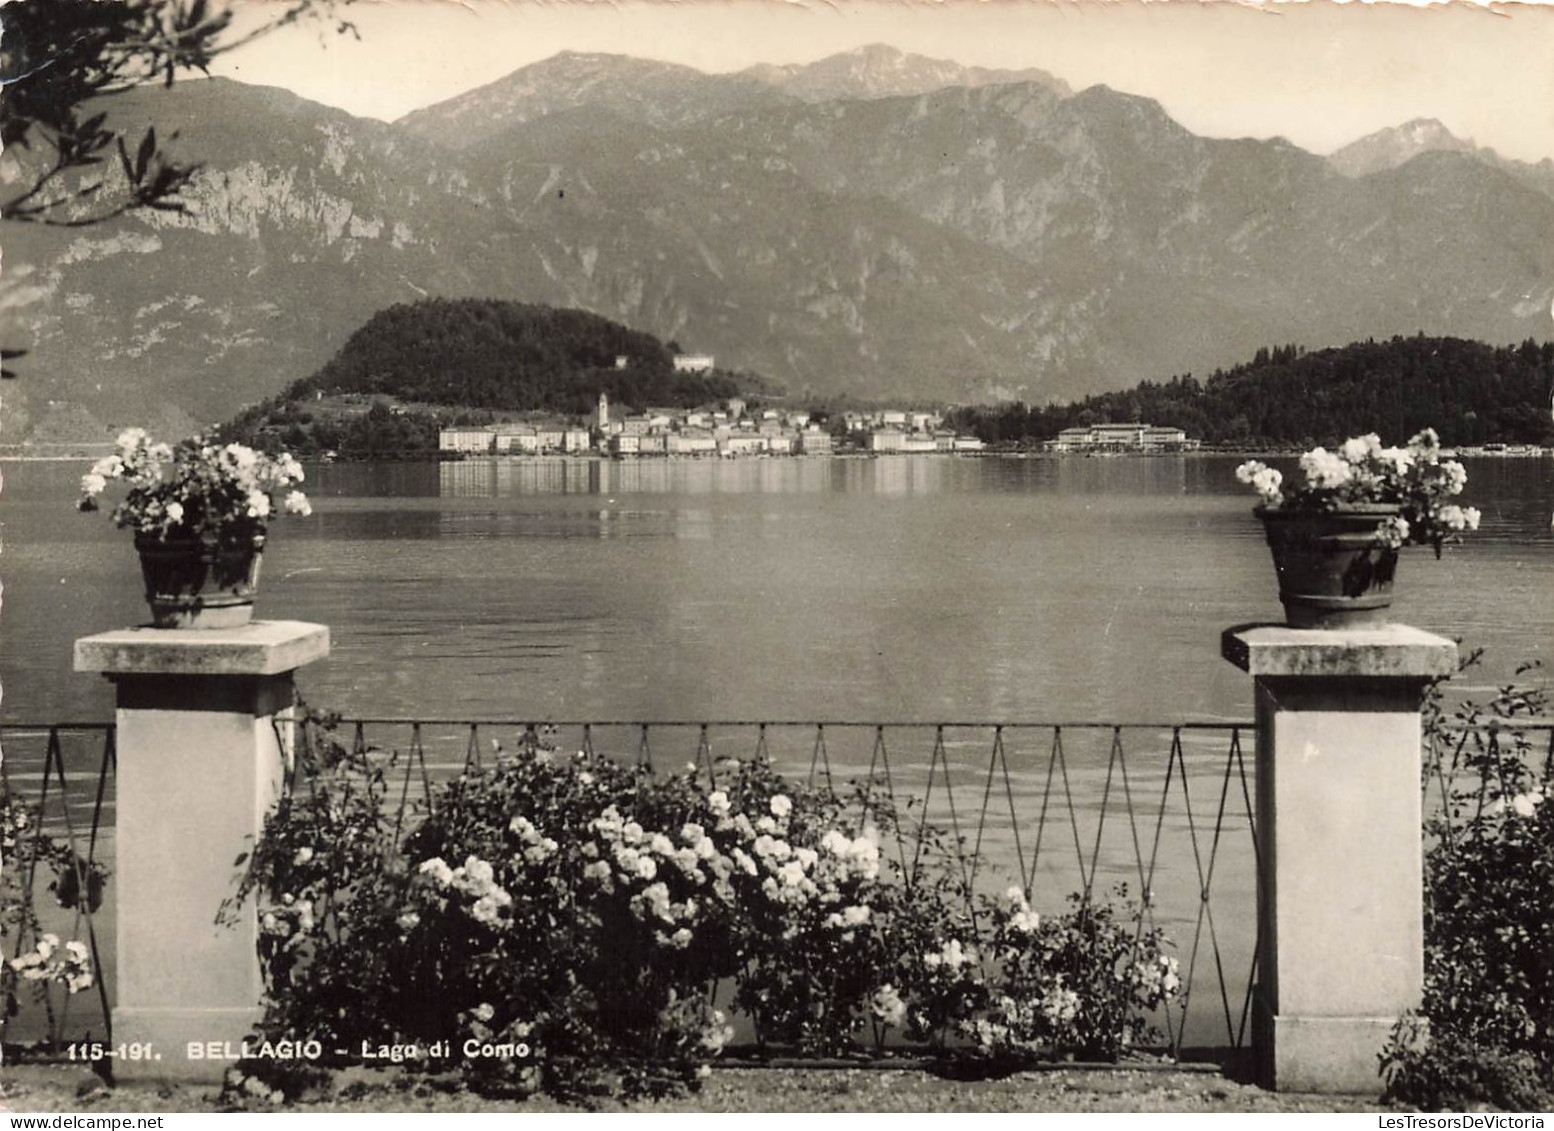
(1469, 392)
(486, 353)
(473, 361)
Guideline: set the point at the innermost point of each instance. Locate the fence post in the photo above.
(202, 735)
(1340, 897)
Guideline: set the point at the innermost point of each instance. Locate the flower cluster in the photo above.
(1415, 479)
(472, 886)
(48, 961)
(610, 920)
(218, 494)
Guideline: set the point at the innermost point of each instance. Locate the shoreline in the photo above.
(605, 457)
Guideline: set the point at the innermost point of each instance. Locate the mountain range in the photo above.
(875, 224)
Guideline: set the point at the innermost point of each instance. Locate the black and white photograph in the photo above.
(776, 556)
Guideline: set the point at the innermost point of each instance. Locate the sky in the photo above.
(1318, 73)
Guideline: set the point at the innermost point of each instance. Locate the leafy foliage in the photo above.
(1471, 392)
(1487, 1027)
(484, 353)
(39, 960)
(589, 917)
(61, 58)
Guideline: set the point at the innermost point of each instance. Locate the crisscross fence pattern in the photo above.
(1160, 815)
(57, 795)
(1059, 808)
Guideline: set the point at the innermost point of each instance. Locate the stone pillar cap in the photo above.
(1385, 651)
(260, 648)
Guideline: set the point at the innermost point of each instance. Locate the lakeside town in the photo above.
(734, 427)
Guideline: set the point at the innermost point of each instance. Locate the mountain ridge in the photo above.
(963, 244)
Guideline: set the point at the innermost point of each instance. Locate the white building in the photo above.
(693, 362)
(472, 440)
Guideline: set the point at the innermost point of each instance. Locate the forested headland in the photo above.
(1470, 392)
(415, 368)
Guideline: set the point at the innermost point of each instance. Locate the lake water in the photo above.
(900, 588)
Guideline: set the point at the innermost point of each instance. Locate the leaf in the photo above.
(147, 149)
(241, 860)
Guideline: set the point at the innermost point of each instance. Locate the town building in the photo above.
(469, 440)
(693, 362)
(1131, 437)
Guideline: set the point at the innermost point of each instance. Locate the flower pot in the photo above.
(192, 584)
(1334, 572)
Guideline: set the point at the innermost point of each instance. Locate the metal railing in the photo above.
(1058, 808)
(1061, 809)
(57, 797)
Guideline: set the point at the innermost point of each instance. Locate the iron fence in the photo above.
(1059, 808)
(1063, 810)
(57, 796)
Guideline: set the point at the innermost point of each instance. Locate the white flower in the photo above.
(304, 854)
(646, 868)
(1395, 459)
(888, 1006)
(483, 1012)
(718, 803)
(409, 921)
(1526, 804)
(258, 504)
(478, 873)
(297, 503)
(1324, 470)
(130, 439)
(93, 484)
(1024, 921)
(438, 871)
(681, 938)
(488, 908)
(1425, 444)
(1356, 449)
(1266, 481)
(1393, 531)
(174, 512)
(781, 806)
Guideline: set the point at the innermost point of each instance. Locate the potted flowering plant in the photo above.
(1335, 538)
(199, 511)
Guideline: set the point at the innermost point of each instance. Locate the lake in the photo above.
(894, 590)
(897, 588)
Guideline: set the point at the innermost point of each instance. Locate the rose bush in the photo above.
(607, 922)
(39, 959)
(1485, 1032)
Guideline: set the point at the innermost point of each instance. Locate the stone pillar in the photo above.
(1340, 898)
(202, 736)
